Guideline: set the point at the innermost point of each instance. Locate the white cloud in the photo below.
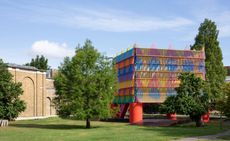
(51, 49)
(127, 24)
(102, 20)
(119, 21)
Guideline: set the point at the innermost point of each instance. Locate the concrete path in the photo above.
(207, 137)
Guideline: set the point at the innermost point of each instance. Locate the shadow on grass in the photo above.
(118, 120)
(187, 130)
(52, 126)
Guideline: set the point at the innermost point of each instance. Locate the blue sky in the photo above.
(54, 28)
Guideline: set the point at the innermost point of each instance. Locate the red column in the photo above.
(205, 117)
(135, 113)
(172, 116)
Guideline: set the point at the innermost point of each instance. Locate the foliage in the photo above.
(40, 62)
(168, 106)
(223, 104)
(10, 104)
(215, 72)
(85, 85)
(191, 98)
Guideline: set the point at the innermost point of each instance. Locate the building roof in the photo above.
(12, 65)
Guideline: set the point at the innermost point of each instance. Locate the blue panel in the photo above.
(126, 70)
(154, 61)
(154, 93)
(201, 67)
(138, 60)
(124, 55)
(188, 65)
(126, 77)
(138, 65)
(171, 65)
(139, 91)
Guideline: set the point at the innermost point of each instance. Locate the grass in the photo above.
(56, 129)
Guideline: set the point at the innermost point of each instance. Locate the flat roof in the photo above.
(12, 65)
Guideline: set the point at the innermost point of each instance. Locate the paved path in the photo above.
(207, 137)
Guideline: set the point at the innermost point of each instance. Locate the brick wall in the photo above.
(38, 92)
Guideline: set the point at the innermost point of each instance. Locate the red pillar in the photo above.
(205, 117)
(172, 116)
(135, 113)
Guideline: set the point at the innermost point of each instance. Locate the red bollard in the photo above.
(205, 117)
(172, 116)
(135, 113)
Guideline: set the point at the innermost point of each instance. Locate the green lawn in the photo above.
(56, 129)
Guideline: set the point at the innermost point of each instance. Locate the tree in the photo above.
(169, 105)
(191, 99)
(215, 72)
(223, 103)
(227, 100)
(10, 104)
(85, 85)
(40, 62)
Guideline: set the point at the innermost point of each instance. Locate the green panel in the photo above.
(123, 99)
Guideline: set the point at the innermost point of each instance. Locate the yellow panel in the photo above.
(126, 84)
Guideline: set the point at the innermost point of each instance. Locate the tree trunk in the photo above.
(88, 123)
(199, 122)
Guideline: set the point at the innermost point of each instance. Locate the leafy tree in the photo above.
(10, 104)
(85, 85)
(40, 62)
(227, 102)
(215, 72)
(191, 98)
(223, 103)
(169, 105)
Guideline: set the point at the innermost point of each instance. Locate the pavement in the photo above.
(207, 137)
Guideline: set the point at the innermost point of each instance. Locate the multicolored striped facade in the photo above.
(149, 75)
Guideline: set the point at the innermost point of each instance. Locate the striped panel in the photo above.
(124, 55)
(169, 53)
(125, 63)
(126, 84)
(123, 99)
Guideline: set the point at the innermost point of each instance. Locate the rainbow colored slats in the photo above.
(150, 75)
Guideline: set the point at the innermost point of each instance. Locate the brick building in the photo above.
(38, 91)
